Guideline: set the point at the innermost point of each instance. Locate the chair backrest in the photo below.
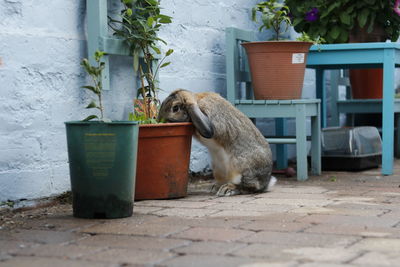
(238, 77)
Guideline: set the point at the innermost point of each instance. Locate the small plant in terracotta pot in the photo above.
(277, 67)
(164, 148)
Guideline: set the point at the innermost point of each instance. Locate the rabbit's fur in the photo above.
(241, 157)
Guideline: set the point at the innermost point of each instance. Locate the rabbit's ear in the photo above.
(201, 122)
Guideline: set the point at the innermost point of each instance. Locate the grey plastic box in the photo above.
(351, 148)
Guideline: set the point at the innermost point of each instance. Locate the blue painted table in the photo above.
(361, 55)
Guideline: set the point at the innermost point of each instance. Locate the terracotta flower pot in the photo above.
(366, 83)
(277, 68)
(163, 160)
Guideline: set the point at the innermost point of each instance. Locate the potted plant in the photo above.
(277, 66)
(344, 21)
(102, 158)
(164, 148)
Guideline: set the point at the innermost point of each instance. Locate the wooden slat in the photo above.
(272, 102)
(281, 140)
(285, 102)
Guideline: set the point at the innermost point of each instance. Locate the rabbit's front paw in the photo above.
(227, 190)
(214, 188)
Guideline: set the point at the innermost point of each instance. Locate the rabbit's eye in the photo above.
(175, 108)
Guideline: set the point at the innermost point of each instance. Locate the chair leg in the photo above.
(316, 144)
(397, 135)
(301, 143)
(321, 93)
(281, 149)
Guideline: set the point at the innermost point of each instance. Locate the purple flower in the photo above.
(396, 7)
(312, 15)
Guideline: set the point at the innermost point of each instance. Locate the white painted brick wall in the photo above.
(41, 45)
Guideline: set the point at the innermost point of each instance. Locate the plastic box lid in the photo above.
(351, 141)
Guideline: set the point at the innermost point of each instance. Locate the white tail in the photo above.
(271, 183)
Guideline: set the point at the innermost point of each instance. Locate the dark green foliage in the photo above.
(336, 19)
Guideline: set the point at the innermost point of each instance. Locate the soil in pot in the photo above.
(163, 160)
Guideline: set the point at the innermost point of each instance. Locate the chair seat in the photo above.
(364, 106)
(277, 108)
(277, 102)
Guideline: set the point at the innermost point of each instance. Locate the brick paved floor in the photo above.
(337, 219)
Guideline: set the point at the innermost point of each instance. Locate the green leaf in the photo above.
(169, 52)
(92, 105)
(136, 61)
(127, 2)
(362, 17)
(334, 33)
(161, 40)
(254, 14)
(345, 18)
(86, 66)
(343, 37)
(165, 64)
(156, 49)
(371, 22)
(296, 21)
(330, 9)
(152, 2)
(129, 12)
(150, 21)
(98, 55)
(91, 117)
(131, 117)
(165, 19)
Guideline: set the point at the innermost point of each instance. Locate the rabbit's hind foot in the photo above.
(228, 189)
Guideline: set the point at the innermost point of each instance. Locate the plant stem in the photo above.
(277, 30)
(101, 107)
(99, 86)
(146, 104)
(158, 66)
(149, 76)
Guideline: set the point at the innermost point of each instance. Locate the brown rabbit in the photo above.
(241, 157)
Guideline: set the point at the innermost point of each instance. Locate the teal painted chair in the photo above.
(239, 93)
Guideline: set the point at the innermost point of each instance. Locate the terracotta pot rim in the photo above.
(169, 124)
(276, 42)
(101, 122)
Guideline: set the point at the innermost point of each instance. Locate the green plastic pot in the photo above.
(102, 162)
